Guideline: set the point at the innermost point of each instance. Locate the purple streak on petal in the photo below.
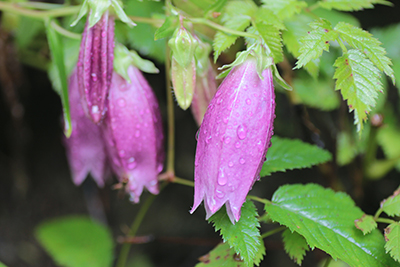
(133, 133)
(85, 148)
(233, 139)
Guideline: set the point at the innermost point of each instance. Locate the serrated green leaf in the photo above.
(391, 205)
(358, 80)
(351, 5)
(268, 17)
(295, 245)
(244, 236)
(366, 224)
(315, 41)
(364, 41)
(346, 149)
(221, 256)
(167, 29)
(216, 7)
(336, 16)
(288, 154)
(271, 36)
(285, 8)
(76, 242)
(392, 237)
(326, 220)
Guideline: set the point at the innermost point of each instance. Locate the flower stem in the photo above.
(153, 21)
(222, 28)
(64, 32)
(273, 231)
(58, 12)
(262, 200)
(182, 181)
(344, 49)
(384, 220)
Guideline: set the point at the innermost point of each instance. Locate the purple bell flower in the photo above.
(85, 147)
(95, 66)
(133, 133)
(233, 139)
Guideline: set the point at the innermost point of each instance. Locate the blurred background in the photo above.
(35, 181)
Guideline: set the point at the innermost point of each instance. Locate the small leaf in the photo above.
(168, 28)
(326, 220)
(366, 224)
(392, 237)
(391, 205)
(295, 245)
(266, 16)
(272, 37)
(2, 264)
(244, 236)
(285, 8)
(221, 256)
(364, 41)
(288, 154)
(214, 8)
(76, 242)
(351, 5)
(359, 83)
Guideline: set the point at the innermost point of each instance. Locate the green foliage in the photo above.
(326, 220)
(388, 137)
(286, 154)
(27, 30)
(221, 256)
(2, 264)
(334, 17)
(392, 237)
(285, 8)
(167, 29)
(351, 5)
(364, 41)
(315, 42)
(244, 236)
(295, 245)
(391, 205)
(366, 224)
(358, 80)
(76, 242)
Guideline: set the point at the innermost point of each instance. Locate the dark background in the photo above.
(35, 183)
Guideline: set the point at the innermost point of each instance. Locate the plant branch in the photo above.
(262, 200)
(385, 220)
(222, 28)
(274, 231)
(36, 14)
(64, 32)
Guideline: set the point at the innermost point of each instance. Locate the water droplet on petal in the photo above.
(230, 164)
(227, 140)
(94, 76)
(222, 179)
(160, 167)
(219, 101)
(197, 134)
(132, 165)
(242, 161)
(219, 193)
(131, 159)
(121, 102)
(241, 131)
(237, 145)
(248, 101)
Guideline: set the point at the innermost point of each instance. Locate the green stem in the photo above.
(64, 32)
(182, 181)
(123, 255)
(327, 262)
(274, 231)
(384, 220)
(344, 49)
(42, 15)
(262, 200)
(153, 21)
(221, 28)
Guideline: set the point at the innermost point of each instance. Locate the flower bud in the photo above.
(133, 133)
(233, 139)
(183, 46)
(85, 148)
(95, 66)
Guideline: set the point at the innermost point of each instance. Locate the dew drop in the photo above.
(219, 101)
(219, 193)
(197, 134)
(242, 161)
(131, 159)
(222, 179)
(226, 119)
(250, 113)
(227, 140)
(208, 139)
(230, 164)
(121, 102)
(94, 76)
(241, 131)
(248, 101)
(132, 165)
(237, 145)
(159, 167)
(218, 93)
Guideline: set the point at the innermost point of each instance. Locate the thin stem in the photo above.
(378, 213)
(384, 220)
(58, 12)
(327, 262)
(274, 231)
(262, 200)
(182, 181)
(64, 32)
(222, 28)
(344, 49)
(155, 22)
(123, 255)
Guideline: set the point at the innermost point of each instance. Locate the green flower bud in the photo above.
(183, 46)
(183, 81)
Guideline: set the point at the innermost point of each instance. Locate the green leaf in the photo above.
(364, 41)
(359, 82)
(391, 205)
(288, 154)
(366, 224)
(326, 220)
(2, 264)
(216, 7)
(76, 242)
(346, 149)
(285, 8)
(392, 237)
(244, 236)
(315, 42)
(57, 55)
(167, 29)
(295, 245)
(221, 256)
(26, 31)
(271, 36)
(351, 5)
(266, 16)
(336, 16)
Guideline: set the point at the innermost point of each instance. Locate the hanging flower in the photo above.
(133, 133)
(234, 138)
(85, 149)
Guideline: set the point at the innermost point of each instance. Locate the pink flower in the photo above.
(95, 66)
(233, 139)
(85, 149)
(133, 133)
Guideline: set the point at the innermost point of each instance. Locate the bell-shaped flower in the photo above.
(234, 138)
(85, 147)
(133, 133)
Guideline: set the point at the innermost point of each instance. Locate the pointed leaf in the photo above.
(315, 41)
(288, 154)
(326, 220)
(392, 237)
(221, 256)
(364, 41)
(244, 236)
(285, 8)
(295, 245)
(366, 224)
(359, 82)
(351, 5)
(272, 37)
(167, 29)
(391, 205)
